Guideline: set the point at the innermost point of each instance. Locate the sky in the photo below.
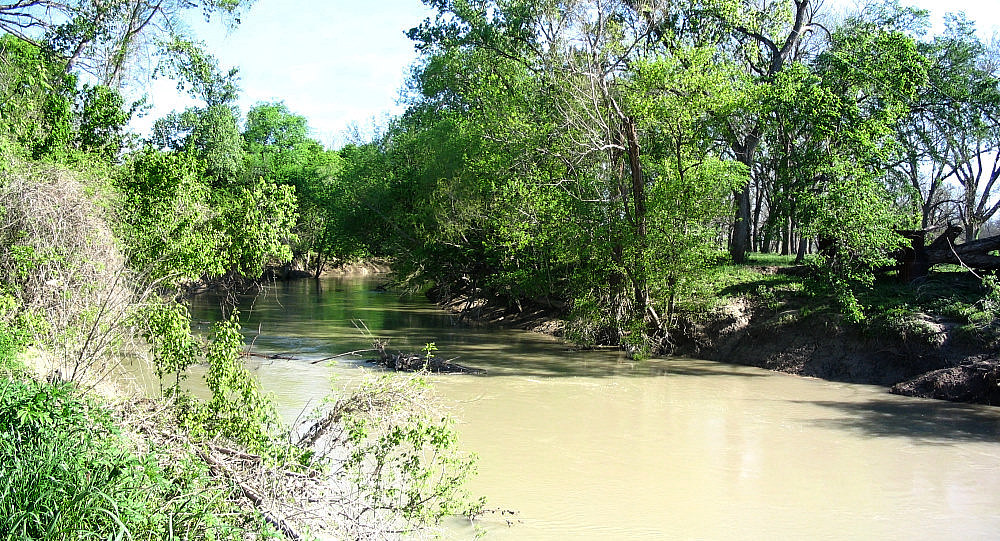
(342, 63)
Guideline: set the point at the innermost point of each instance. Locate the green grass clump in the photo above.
(68, 473)
(909, 312)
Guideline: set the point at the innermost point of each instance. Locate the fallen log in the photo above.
(411, 362)
(915, 261)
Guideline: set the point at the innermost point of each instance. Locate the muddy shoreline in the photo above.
(941, 365)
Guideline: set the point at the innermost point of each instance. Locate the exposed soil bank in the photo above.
(935, 363)
(976, 382)
(540, 317)
(298, 270)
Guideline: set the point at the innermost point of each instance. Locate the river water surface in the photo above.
(589, 445)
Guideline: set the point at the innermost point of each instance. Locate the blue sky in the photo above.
(335, 62)
(341, 63)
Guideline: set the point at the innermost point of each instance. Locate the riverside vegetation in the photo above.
(627, 166)
(100, 236)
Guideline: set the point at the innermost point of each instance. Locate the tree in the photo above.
(104, 37)
(767, 40)
(608, 159)
(278, 148)
(272, 128)
(44, 111)
(970, 126)
(210, 132)
(36, 99)
(862, 86)
(950, 133)
(677, 96)
(165, 218)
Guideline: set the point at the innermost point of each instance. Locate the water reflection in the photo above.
(590, 445)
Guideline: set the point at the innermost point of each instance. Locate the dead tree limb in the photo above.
(221, 469)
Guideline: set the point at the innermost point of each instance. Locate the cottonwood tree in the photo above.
(106, 37)
(766, 38)
(971, 132)
(949, 138)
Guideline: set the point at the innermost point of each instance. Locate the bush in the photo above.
(403, 459)
(61, 266)
(69, 474)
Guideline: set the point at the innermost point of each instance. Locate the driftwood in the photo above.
(221, 469)
(411, 362)
(398, 362)
(915, 261)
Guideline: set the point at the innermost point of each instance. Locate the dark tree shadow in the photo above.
(925, 421)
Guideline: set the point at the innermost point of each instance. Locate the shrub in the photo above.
(403, 461)
(61, 266)
(68, 474)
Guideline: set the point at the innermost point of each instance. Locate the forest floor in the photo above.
(935, 339)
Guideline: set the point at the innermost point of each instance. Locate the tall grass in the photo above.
(66, 473)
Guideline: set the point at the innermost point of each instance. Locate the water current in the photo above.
(590, 445)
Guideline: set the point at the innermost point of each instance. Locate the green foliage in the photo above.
(44, 111)
(13, 335)
(990, 303)
(404, 459)
(255, 224)
(36, 99)
(198, 72)
(69, 474)
(272, 129)
(102, 118)
(167, 328)
(178, 229)
(165, 217)
(237, 410)
(209, 134)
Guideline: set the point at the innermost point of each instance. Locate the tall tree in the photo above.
(768, 38)
(105, 37)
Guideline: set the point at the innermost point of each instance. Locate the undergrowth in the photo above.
(69, 473)
(912, 312)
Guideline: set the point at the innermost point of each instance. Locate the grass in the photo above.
(68, 473)
(755, 280)
(950, 294)
(893, 308)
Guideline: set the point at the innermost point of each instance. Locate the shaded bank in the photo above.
(934, 359)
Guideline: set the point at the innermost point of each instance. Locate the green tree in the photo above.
(36, 105)
(862, 86)
(105, 37)
(165, 218)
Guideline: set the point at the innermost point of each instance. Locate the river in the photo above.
(590, 445)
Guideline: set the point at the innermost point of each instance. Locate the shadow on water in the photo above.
(927, 422)
(314, 320)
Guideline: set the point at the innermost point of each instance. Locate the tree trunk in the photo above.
(916, 261)
(740, 245)
(800, 257)
(756, 245)
(639, 209)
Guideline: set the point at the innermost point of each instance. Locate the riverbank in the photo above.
(923, 341)
(928, 356)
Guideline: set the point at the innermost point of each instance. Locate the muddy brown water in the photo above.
(589, 445)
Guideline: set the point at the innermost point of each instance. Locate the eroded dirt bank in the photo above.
(933, 360)
(937, 361)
